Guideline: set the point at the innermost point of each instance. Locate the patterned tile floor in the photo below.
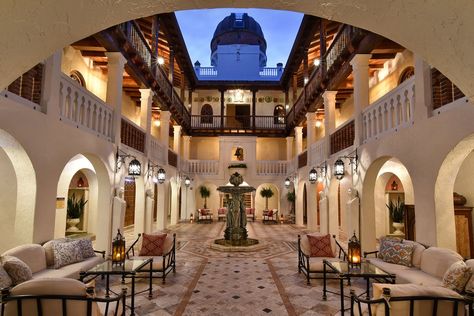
(210, 282)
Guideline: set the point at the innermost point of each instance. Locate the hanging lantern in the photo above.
(354, 251)
(287, 183)
(161, 175)
(339, 169)
(313, 176)
(187, 181)
(394, 186)
(134, 168)
(118, 249)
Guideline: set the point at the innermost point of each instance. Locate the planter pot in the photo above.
(72, 223)
(241, 171)
(398, 228)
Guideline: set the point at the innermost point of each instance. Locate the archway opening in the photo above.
(261, 202)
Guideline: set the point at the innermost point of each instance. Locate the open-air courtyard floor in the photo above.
(210, 282)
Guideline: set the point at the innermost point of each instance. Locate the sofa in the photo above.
(312, 266)
(250, 213)
(42, 260)
(204, 216)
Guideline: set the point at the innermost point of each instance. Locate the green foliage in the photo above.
(75, 207)
(237, 165)
(205, 193)
(291, 196)
(266, 193)
(396, 210)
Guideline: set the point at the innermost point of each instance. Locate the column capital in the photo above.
(289, 138)
(165, 115)
(177, 129)
(115, 58)
(360, 60)
(329, 96)
(311, 116)
(146, 93)
(298, 129)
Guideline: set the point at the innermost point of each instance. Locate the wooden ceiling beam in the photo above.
(88, 53)
(383, 56)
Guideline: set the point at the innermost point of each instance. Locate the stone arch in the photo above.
(273, 202)
(213, 201)
(206, 114)
(279, 114)
(444, 186)
(18, 198)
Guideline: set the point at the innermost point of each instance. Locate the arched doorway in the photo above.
(279, 114)
(18, 195)
(260, 202)
(129, 197)
(77, 199)
(206, 114)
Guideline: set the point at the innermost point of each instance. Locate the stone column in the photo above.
(115, 67)
(145, 117)
(423, 107)
(289, 148)
(186, 147)
(329, 98)
(51, 85)
(360, 71)
(311, 128)
(165, 127)
(299, 139)
(162, 209)
(176, 138)
(312, 219)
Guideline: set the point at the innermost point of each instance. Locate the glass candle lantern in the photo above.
(118, 249)
(354, 251)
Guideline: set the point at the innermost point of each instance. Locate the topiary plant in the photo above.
(75, 207)
(205, 193)
(266, 193)
(396, 211)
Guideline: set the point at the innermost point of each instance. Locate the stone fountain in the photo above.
(235, 234)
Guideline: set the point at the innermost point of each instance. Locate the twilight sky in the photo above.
(279, 29)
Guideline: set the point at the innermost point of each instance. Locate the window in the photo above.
(279, 114)
(78, 77)
(206, 114)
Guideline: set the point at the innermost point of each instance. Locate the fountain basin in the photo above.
(246, 245)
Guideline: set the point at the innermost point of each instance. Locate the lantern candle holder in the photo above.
(354, 252)
(118, 249)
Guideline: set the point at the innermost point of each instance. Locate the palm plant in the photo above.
(75, 207)
(205, 193)
(266, 193)
(396, 210)
(291, 197)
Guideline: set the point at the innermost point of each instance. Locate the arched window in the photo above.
(206, 114)
(406, 73)
(279, 114)
(78, 77)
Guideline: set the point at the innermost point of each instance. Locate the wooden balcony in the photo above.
(343, 137)
(260, 125)
(443, 90)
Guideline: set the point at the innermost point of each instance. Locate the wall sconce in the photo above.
(287, 183)
(157, 177)
(354, 251)
(317, 174)
(118, 249)
(161, 175)
(134, 167)
(306, 80)
(339, 168)
(187, 182)
(318, 124)
(160, 60)
(313, 176)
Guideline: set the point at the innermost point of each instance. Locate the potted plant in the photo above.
(266, 193)
(397, 213)
(291, 197)
(75, 209)
(237, 167)
(205, 193)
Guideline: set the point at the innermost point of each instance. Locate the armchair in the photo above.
(270, 216)
(221, 213)
(250, 213)
(204, 216)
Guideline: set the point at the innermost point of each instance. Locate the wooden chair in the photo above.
(250, 213)
(270, 217)
(221, 213)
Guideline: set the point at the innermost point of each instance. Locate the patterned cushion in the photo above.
(398, 253)
(5, 280)
(384, 239)
(66, 253)
(86, 248)
(270, 213)
(152, 245)
(320, 245)
(16, 269)
(457, 276)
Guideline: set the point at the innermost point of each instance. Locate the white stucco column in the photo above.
(423, 106)
(149, 201)
(51, 80)
(176, 138)
(174, 203)
(312, 208)
(329, 99)
(115, 67)
(360, 71)
(289, 148)
(165, 131)
(186, 147)
(299, 139)
(145, 116)
(311, 128)
(162, 209)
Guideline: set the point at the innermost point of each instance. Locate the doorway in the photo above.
(238, 115)
(129, 197)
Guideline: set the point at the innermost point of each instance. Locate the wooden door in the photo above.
(305, 205)
(410, 222)
(463, 222)
(129, 197)
(155, 203)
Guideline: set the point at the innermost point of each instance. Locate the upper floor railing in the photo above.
(271, 72)
(132, 135)
(238, 122)
(343, 137)
(391, 112)
(83, 109)
(211, 73)
(206, 71)
(202, 167)
(28, 85)
(137, 39)
(318, 152)
(443, 90)
(158, 151)
(271, 167)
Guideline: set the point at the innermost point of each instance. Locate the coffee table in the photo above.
(344, 271)
(128, 269)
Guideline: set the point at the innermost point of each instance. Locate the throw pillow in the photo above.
(382, 246)
(86, 248)
(397, 253)
(270, 213)
(66, 253)
(5, 280)
(16, 269)
(320, 245)
(152, 245)
(457, 276)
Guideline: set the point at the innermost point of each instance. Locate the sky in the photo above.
(279, 29)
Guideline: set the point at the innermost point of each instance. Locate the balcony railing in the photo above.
(303, 159)
(83, 109)
(318, 152)
(132, 135)
(28, 85)
(206, 71)
(443, 90)
(172, 158)
(271, 71)
(158, 151)
(137, 39)
(202, 167)
(391, 112)
(238, 122)
(343, 137)
(271, 167)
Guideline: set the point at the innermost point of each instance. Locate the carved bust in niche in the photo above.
(239, 153)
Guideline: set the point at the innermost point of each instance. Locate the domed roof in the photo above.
(238, 28)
